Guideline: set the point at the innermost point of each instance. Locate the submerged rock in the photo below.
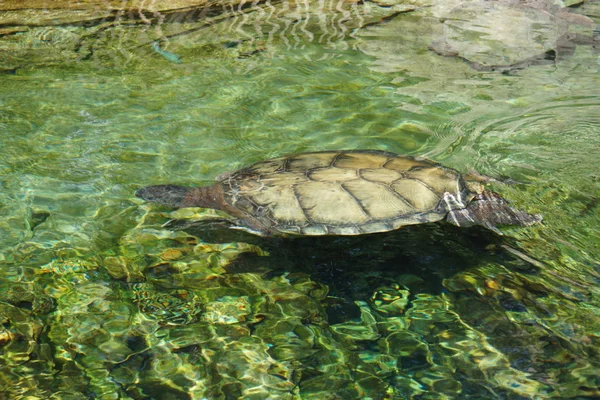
(59, 12)
(38, 32)
(510, 34)
(227, 310)
(116, 33)
(176, 307)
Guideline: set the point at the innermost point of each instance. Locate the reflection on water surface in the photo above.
(99, 300)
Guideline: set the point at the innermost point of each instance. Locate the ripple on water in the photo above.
(560, 135)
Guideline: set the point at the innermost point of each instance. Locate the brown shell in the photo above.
(345, 192)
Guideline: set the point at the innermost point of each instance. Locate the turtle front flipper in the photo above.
(489, 209)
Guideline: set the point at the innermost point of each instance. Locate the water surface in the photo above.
(97, 300)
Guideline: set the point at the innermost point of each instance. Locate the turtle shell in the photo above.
(344, 192)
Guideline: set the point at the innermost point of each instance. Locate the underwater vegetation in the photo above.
(410, 313)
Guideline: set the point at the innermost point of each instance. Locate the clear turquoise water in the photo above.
(98, 301)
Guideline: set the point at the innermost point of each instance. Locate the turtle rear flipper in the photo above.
(167, 195)
(489, 209)
(185, 224)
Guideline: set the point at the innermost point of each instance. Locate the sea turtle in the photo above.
(344, 193)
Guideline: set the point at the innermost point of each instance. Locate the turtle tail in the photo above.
(168, 195)
(489, 209)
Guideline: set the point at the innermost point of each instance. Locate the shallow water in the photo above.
(97, 300)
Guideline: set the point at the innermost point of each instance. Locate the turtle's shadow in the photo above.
(354, 266)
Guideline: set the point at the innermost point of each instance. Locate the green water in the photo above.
(98, 300)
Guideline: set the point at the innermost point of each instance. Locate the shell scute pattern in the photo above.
(360, 160)
(439, 180)
(344, 192)
(382, 175)
(381, 201)
(404, 163)
(306, 162)
(333, 174)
